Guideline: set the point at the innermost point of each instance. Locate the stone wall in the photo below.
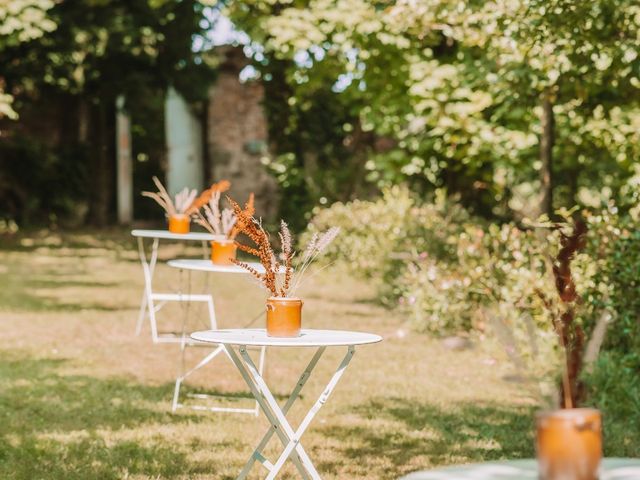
(237, 137)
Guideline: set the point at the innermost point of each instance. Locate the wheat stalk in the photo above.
(162, 197)
(287, 252)
(316, 246)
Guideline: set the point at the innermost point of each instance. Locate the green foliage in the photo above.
(452, 272)
(614, 388)
(613, 385)
(66, 81)
(449, 93)
(21, 21)
(41, 185)
(377, 237)
(435, 259)
(616, 244)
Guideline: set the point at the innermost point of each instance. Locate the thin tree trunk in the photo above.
(100, 171)
(83, 120)
(547, 141)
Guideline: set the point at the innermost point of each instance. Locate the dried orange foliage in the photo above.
(247, 224)
(248, 211)
(205, 196)
(287, 284)
(569, 331)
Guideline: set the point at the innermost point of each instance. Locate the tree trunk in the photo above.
(547, 141)
(101, 171)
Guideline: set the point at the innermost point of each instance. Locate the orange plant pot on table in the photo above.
(284, 317)
(223, 252)
(179, 223)
(569, 444)
(280, 278)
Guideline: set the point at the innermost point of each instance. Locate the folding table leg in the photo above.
(273, 414)
(290, 439)
(142, 313)
(257, 453)
(147, 301)
(293, 443)
(143, 302)
(182, 376)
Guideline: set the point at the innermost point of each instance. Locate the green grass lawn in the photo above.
(81, 397)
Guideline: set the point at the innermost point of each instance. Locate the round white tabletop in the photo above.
(204, 265)
(307, 338)
(167, 235)
(610, 469)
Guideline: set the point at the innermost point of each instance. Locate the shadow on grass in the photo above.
(459, 434)
(22, 300)
(22, 292)
(49, 423)
(83, 238)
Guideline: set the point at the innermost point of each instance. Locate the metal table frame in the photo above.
(148, 305)
(524, 469)
(242, 339)
(183, 373)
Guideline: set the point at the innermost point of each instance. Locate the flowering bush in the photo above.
(454, 273)
(612, 384)
(380, 236)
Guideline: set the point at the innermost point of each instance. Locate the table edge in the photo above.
(310, 345)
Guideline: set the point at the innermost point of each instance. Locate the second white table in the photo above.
(207, 265)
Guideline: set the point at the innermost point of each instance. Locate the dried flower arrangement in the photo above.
(569, 440)
(563, 312)
(222, 224)
(280, 277)
(179, 206)
(185, 203)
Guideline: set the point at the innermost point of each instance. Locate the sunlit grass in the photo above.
(81, 397)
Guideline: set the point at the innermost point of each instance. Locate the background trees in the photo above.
(59, 161)
(515, 106)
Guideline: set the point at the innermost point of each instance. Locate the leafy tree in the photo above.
(492, 100)
(100, 50)
(21, 21)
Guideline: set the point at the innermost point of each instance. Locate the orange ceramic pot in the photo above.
(284, 317)
(179, 223)
(223, 251)
(569, 444)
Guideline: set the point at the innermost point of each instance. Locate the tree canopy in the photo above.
(64, 65)
(463, 91)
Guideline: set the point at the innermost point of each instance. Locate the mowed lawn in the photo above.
(82, 397)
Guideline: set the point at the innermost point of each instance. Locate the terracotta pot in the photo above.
(223, 251)
(179, 223)
(284, 317)
(569, 444)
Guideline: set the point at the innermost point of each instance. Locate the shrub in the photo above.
(454, 273)
(378, 237)
(613, 385)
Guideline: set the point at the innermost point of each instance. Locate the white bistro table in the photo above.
(199, 265)
(610, 469)
(241, 339)
(208, 266)
(148, 304)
